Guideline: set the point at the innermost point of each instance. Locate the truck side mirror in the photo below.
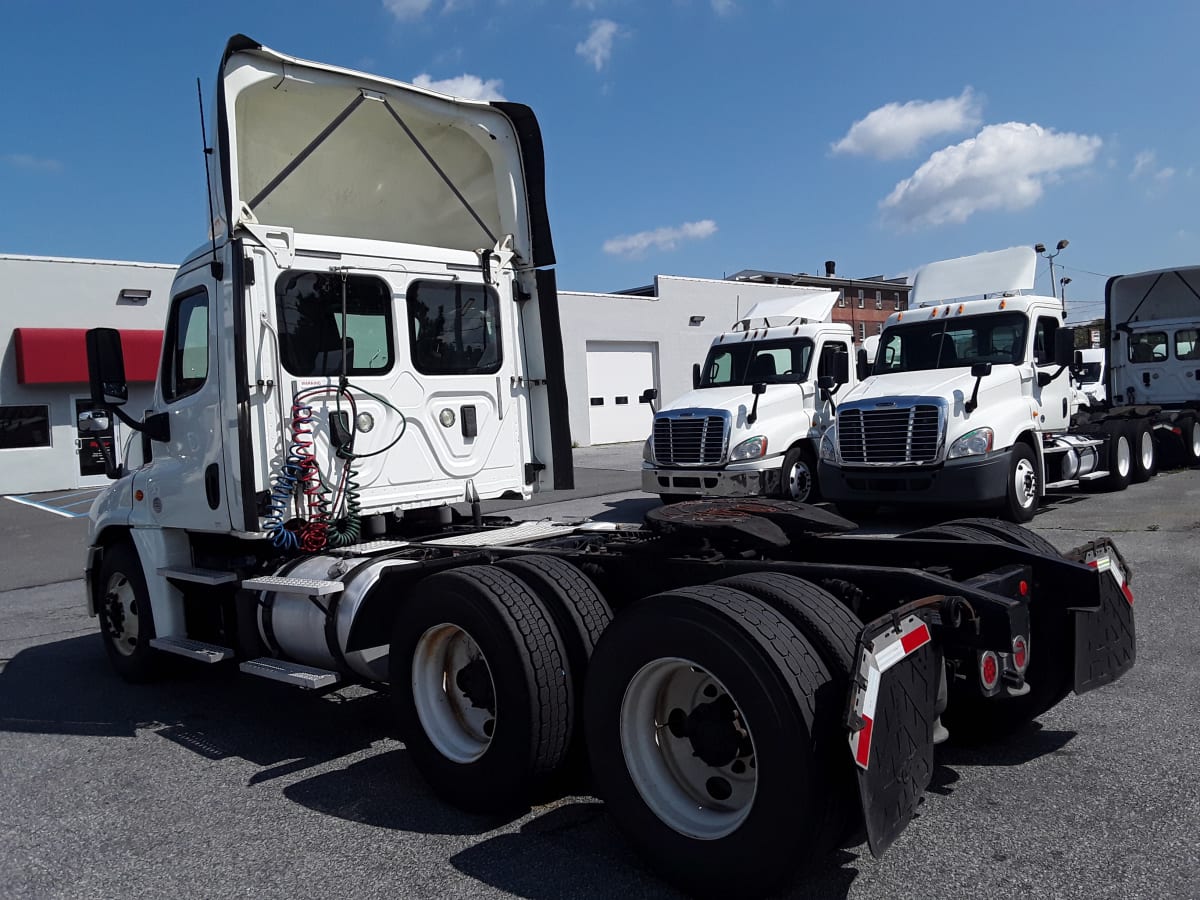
(648, 395)
(695, 375)
(841, 368)
(1064, 347)
(863, 368)
(106, 367)
(827, 382)
(981, 370)
(759, 387)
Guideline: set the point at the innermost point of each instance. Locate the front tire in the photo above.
(704, 741)
(798, 476)
(126, 619)
(481, 688)
(1021, 501)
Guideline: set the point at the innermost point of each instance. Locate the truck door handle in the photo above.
(1146, 379)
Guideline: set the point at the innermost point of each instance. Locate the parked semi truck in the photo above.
(751, 423)
(970, 401)
(371, 335)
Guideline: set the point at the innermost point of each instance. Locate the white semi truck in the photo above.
(759, 404)
(369, 336)
(969, 401)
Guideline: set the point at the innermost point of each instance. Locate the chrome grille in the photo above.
(689, 440)
(904, 434)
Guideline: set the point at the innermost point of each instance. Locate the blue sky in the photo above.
(687, 137)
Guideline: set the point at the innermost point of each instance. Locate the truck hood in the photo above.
(954, 384)
(323, 150)
(782, 410)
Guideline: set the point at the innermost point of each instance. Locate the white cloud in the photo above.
(724, 7)
(897, 129)
(1003, 167)
(31, 163)
(472, 87)
(597, 48)
(1146, 163)
(634, 246)
(407, 10)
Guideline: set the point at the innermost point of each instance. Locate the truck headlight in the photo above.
(973, 443)
(751, 448)
(829, 444)
(648, 450)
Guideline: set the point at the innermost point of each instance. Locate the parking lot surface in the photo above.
(214, 784)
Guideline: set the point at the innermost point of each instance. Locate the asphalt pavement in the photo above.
(213, 784)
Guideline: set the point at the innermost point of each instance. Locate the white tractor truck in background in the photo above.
(370, 336)
(969, 401)
(759, 404)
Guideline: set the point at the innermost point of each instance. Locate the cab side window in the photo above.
(185, 346)
(1043, 341)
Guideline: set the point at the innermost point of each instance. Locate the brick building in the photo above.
(864, 303)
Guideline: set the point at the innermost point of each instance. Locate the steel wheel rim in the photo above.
(799, 482)
(1196, 440)
(1025, 482)
(686, 793)
(121, 614)
(1146, 448)
(455, 703)
(1124, 456)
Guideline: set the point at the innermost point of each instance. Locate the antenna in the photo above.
(215, 265)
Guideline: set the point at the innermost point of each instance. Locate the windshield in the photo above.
(749, 362)
(952, 343)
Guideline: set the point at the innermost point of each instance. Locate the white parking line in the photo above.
(36, 504)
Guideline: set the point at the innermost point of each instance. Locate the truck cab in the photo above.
(760, 401)
(968, 399)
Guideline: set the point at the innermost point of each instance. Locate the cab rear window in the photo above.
(454, 328)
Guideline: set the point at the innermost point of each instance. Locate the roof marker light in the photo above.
(1003, 304)
(933, 314)
(960, 309)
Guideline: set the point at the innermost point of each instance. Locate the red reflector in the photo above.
(1023, 587)
(864, 743)
(1127, 592)
(1020, 653)
(989, 670)
(916, 638)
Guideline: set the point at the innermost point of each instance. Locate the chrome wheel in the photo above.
(1025, 483)
(1146, 449)
(1123, 458)
(121, 614)
(1194, 439)
(454, 694)
(798, 481)
(688, 749)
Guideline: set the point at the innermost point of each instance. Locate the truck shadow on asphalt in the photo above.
(68, 688)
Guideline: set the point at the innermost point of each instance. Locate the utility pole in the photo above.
(1041, 249)
(1062, 285)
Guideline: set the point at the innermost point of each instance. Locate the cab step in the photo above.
(513, 534)
(309, 678)
(197, 575)
(281, 584)
(1059, 485)
(181, 646)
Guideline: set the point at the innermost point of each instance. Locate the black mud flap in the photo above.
(891, 717)
(1105, 640)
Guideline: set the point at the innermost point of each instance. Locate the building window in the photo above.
(309, 306)
(185, 346)
(879, 299)
(897, 299)
(860, 298)
(454, 328)
(24, 426)
(862, 330)
(841, 298)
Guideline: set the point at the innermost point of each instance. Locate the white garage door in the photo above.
(618, 373)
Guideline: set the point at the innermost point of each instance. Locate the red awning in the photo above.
(59, 355)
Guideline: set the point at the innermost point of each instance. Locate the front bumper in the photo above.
(757, 478)
(973, 479)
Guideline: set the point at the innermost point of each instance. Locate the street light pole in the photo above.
(1062, 285)
(1041, 248)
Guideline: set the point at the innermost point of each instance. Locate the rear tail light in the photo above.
(1020, 653)
(989, 670)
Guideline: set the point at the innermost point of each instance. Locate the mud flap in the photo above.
(1105, 640)
(891, 717)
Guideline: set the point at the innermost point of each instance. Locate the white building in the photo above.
(48, 304)
(616, 346)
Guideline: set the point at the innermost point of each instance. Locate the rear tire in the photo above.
(481, 687)
(1120, 456)
(1024, 489)
(705, 738)
(1145, 453)
(1189, 427)
(126, 617)
(1010, 533)
(798, 476)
